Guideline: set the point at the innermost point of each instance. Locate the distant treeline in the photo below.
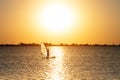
(61, 44)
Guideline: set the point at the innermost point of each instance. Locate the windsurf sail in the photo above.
(43, 50)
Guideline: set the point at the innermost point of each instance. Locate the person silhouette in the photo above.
(47, 54)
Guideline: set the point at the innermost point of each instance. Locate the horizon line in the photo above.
(62, 44)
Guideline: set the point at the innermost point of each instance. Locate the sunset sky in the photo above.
(60, 21)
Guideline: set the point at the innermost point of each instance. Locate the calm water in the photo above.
(71, 63)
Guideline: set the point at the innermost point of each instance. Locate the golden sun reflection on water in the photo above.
(57, 70)
(57, 51)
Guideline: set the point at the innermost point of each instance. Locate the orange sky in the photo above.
(95, 21)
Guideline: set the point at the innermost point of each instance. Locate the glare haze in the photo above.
(96, 21)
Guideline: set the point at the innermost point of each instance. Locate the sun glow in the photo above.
(56, 18)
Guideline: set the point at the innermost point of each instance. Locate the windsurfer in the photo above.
(47, 54)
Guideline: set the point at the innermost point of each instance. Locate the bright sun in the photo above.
(56, 18)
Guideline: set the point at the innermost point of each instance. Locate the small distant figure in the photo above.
(47, 54)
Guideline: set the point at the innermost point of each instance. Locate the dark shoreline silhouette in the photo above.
(61, 44)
